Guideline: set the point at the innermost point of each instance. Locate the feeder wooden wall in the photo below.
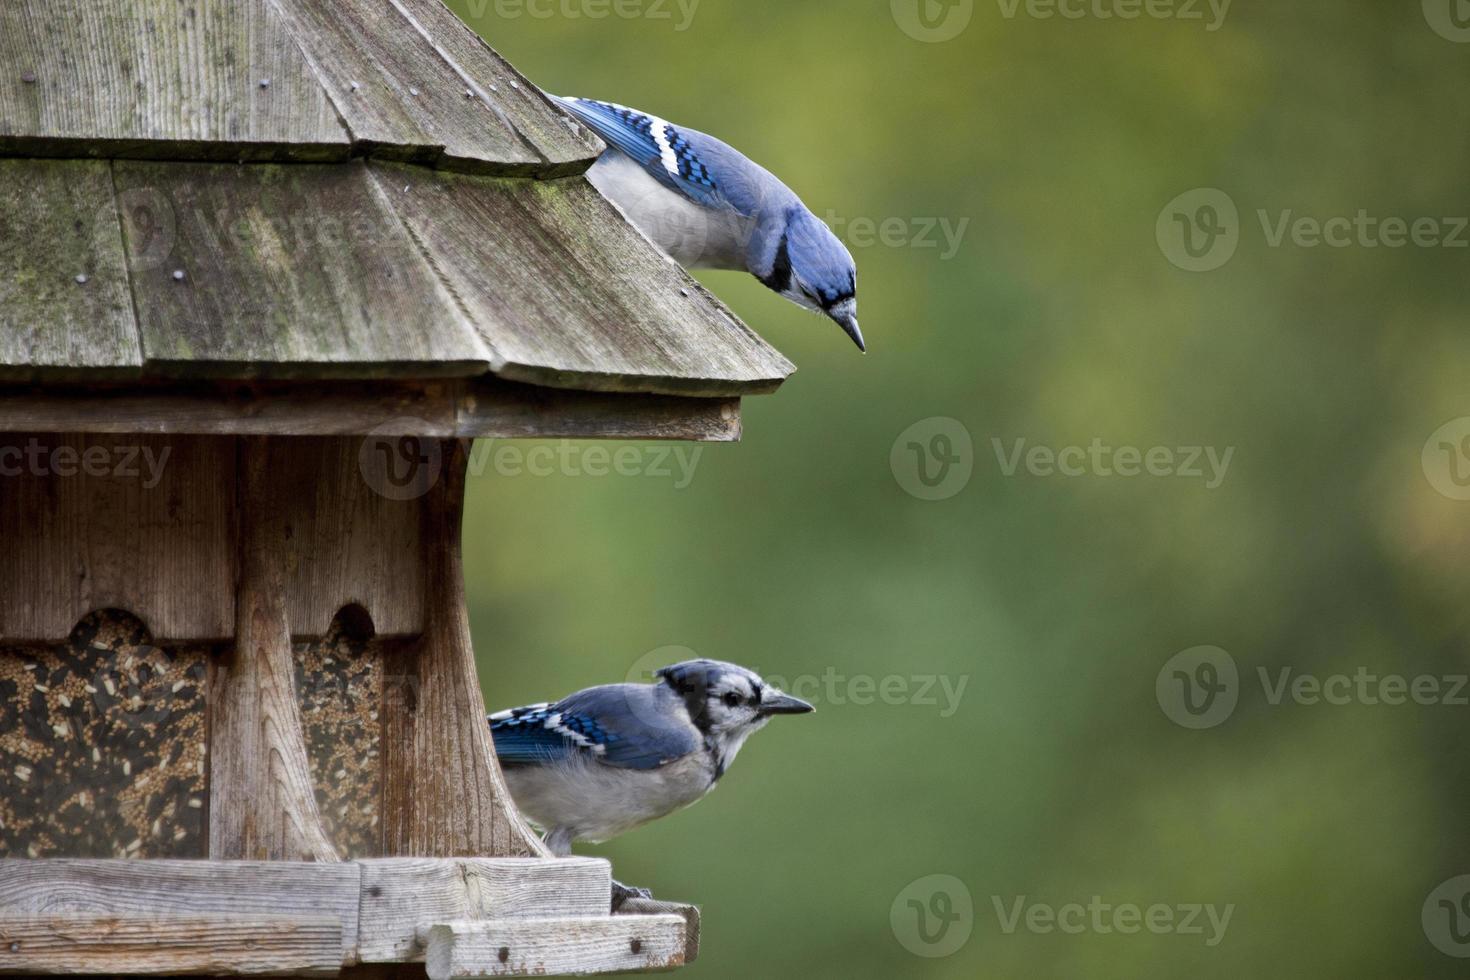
(266, 594)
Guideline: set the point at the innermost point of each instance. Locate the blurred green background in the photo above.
(1059, 320)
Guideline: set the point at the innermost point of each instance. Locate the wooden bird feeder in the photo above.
(266, 268)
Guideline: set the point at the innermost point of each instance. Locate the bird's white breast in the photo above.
(597, 802)
(694, 236)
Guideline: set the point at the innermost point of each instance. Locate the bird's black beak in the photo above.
(849, 325)
(777, 703)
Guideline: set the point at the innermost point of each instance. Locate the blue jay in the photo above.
(709, 206)
(609, 759)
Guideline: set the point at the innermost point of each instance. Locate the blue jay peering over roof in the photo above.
(609, 759)
(709, 206)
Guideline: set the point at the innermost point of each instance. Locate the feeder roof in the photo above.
(320, 190)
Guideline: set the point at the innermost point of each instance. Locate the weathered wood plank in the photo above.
(569, 295)
(263, 409)
(399, 895)
(141, 523)
(348, 529)
(565, 947)
(689, 913)
(57, 223)
(303, 946)
(152, 889)
(194, 79)
(411, 80)
(261, 804)
(443, 793)
(492, 408)
(290, 271)
(487, 408)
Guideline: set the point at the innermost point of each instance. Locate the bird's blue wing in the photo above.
(656, 144)
(535, 734)
(628, 726)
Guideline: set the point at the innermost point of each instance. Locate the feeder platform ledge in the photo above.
(460, 917)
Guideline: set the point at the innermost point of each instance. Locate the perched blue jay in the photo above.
(709, 206)
(609, 759)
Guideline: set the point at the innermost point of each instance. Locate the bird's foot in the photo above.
(622, 893)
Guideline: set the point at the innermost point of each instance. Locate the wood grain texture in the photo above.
(569, 295)
(443, 793)
(58, 222)
(493, 408)
(346, 529)
(150, 889)
(301, 946)
(236, 408)
(298, 271)
(399, 895)
(570, 946)
(141, 523)
(486, 408)
(262, 806)
(412, 81)
(178, 78)
(689, 913)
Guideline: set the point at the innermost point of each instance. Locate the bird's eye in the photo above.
(732, 700)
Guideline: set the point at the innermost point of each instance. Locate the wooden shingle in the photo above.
(412, 81)
(64, 303)
(185, 79)
(290, 271)
(567, 294)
